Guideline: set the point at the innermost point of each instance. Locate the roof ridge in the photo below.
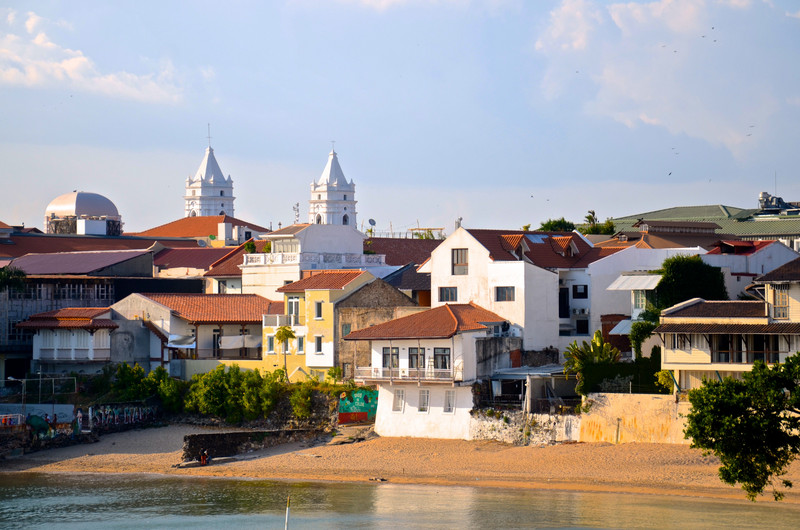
(455, 319)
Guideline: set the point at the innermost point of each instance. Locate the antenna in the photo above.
(296, 209)
(333, 146)
(209, 135)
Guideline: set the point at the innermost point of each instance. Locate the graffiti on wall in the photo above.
(358, 406)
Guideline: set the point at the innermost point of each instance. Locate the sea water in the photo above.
(136, 501)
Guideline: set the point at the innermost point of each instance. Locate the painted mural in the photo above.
(358, 406)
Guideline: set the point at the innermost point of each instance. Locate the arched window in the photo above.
(222, 212)
(319, 219)
(222, 193)
(345, 220)
(193, 213)
(345, 196)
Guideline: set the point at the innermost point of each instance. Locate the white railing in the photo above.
(406, 374)
(276, 321)
(332, 259)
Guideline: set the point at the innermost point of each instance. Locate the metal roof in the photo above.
(635, 282)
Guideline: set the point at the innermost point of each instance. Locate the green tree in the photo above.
(751, 424)
(251, 394)
(526, 227)
(577, 358)
(687, 277)
(301, 399)
(129, 383)
(557, 225)
(250, 247)
(282, 335)
(11, 278)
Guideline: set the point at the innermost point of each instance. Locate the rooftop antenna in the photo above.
(296, 209)
(333, 145)
(209, 135)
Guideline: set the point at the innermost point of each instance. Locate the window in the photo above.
(416, 358)
(504, 294)
(345, 196)
(221, 193)
(460, 266)
(318, 344)
(582, 326)
(399, 400)
(424, 399)
(345, 220)
(780, 299)
(271, 344)
(441, 358)
(448, 294)
(318, 310)
(639, 299)
(345, 330)
(301, 344)
(449, 401)
(679, 341)
(391, 357)
(580, 291)
(293, 306)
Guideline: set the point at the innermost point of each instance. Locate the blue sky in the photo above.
(502, 112)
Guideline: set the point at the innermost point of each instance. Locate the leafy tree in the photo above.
(640, 331)
(751, 424)
(664, 380)
(687, 277)
(579, 358)
(282, 335)
(11, 278)
(526, 227)
(592, 226)
(250, 247)
(301, 399)
(335, 373)
(208, 393)
(272, 388)
(234, 379)
(557, 225)
(129, 383)
(251, 394)
(267, 247)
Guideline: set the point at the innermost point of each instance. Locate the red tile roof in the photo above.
(739, 247)
(70, 318)
(776, 328)
(721, 309)
(402, 251)
(74, 262)
(325, 279)
(218, 308)
(194, 258)
(788, 272)
(3, 225)
(228, 265)
(19, 244)
(200, 226)
(438, 323)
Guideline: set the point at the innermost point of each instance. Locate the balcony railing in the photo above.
(276, 321)
(210, 353)
(407, 374)
(748, 357)
(78, 354)
(315, 258)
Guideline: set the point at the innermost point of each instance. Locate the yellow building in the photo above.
(309, 312)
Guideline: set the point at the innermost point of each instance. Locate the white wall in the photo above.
(432, 424)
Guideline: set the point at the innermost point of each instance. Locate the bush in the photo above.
(301, 400)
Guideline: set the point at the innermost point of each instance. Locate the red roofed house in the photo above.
(213, 230)
(424, 365)
(225, 274)
(71, 339)
(710, 340)
(535, 280)
(194, 333)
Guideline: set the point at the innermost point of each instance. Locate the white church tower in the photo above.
(333, 200)
(208, 192)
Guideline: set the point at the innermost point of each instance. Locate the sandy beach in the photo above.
(632, 468)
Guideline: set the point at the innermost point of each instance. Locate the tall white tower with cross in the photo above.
(333, 200)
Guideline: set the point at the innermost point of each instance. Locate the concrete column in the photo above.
(91, 345)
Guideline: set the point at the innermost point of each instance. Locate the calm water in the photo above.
(89, 501)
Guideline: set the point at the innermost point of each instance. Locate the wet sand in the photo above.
(660, 469)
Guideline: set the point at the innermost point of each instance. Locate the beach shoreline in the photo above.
(633, 468)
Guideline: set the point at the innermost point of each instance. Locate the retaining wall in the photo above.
(518, 428)
(622, 418)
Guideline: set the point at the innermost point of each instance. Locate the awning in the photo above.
(623, 327)
(635, 282)
(235, 342)
(521, 373)
(181, 341)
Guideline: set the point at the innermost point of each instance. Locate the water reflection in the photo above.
(92, 501)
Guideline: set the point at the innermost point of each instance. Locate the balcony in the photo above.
(276, 321)
(748, 357)
(407, 375)
(321, 260)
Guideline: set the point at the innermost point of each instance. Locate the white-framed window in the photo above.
(449, 402)
(460, 261)
(391, 357)
(448, 294)
(318, 344)
(271, 344)
(780, 301)
(318, 310)
(441, 358)
(293, 306)
(504, 294)
(416, 358)
(399, 400)
(639, 299)
(301, 344)
(424, 400)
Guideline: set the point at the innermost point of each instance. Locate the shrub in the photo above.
(301, 399)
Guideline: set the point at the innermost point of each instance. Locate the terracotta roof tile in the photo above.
(195, 258)
(326, 279)
(437, 323)
(200, 226)
(401, 251)
(74, 262)
(218, 308)
(720, 328)
(81, 313)
(70, 318)
(721, 309)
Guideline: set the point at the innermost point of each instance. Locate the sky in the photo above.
(500, 112)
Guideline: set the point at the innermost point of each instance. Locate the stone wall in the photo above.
(493, 353)
(235, 443)
(644, 418)
(518, 428)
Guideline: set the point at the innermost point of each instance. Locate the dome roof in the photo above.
(81, 204)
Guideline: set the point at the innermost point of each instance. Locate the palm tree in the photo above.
(598, 351)
(283, 335)
(11, 277)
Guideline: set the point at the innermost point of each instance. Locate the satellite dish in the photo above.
(371, 222)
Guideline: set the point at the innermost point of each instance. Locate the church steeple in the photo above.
(332, 197)
(209, 192)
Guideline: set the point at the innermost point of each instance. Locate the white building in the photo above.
(209, 192)
(83, 213)
(333, 199)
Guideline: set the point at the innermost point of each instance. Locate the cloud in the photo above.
(34, 61)
(491, 6)
(793, 15)
(669, 64)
